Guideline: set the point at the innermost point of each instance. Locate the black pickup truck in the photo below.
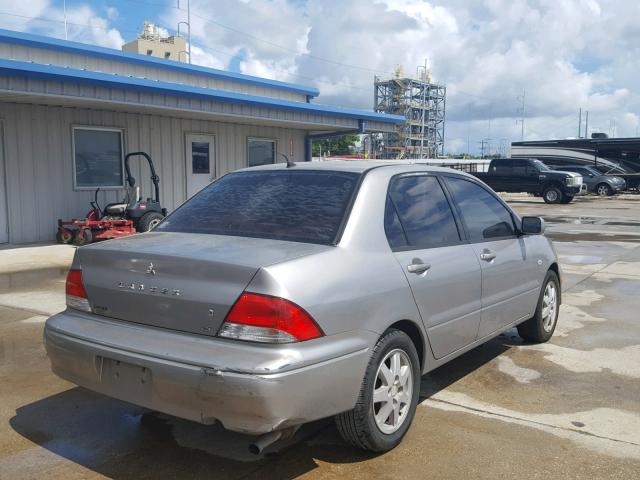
(530, 175)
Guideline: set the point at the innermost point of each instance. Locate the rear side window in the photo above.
(418, 214)
(502, 167)
(484, 216)
(297, 205)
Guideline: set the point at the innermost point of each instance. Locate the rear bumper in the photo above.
(248, 388)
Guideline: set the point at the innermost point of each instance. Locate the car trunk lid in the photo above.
(181, 281)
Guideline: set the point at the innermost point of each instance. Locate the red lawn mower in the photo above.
(130, 216)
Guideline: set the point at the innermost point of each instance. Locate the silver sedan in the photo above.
(279, 295)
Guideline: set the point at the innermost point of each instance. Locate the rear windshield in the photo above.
(296, 205)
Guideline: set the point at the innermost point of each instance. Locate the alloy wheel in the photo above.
(549, 306)
(393, 391)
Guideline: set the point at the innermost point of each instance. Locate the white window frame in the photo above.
(262, 139)
(73, 155)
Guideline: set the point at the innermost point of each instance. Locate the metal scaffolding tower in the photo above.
(423, 105)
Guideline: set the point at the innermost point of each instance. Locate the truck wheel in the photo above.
(604, 190)
(541, 326)
(567, 198)
(64, 236)
(149, 221)
(552, 195)
(84, 236)
(388, 397)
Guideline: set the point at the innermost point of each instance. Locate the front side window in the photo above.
(296, 205)
(484, 216)
(261, 151)
(98, 158)
(418, 214)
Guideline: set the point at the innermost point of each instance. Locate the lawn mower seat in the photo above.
(120, 208)
(116, 208)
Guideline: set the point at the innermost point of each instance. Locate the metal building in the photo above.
(422, 103)
(69, 112)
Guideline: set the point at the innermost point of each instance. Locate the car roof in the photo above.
(358, 166)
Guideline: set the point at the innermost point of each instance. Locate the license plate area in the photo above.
(131, 380)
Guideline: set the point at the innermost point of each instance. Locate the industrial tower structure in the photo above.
(423, 105)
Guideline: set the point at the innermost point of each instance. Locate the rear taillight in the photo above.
(266, 319)
(76, 294)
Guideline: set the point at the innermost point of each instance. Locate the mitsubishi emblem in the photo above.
(150, 269)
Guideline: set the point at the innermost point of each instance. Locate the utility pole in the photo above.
(482, 143)
(580, 123)
(586, 125)
(64, 8)
(188, 23)
(522, 97)
(189, 31)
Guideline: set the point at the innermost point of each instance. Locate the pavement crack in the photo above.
(533, 422)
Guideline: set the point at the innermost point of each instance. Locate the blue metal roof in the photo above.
(38, 41)
(16, 68)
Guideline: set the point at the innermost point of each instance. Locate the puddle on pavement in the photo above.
(581, 259)
(592, 237)
(590, 221)
(575, 221)
(32, 279)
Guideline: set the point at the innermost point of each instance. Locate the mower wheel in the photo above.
(83, 237)
(64, 236)
(149, 221)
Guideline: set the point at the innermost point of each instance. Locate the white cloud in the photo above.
(83, 23)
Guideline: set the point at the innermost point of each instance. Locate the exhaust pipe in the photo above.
(263, 441)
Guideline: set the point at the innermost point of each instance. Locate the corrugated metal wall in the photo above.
(39, 164)
(66, 59)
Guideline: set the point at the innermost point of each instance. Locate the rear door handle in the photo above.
(418, 268)
(487, 255)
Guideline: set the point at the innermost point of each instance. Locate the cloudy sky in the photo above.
(563, 54)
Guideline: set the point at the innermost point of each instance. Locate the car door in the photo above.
(509, 290)
(442, 269)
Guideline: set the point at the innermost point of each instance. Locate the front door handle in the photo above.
(418, 268)
(487, 255)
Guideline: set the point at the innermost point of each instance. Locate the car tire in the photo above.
(604, 190)
(540, 327)
(363, 427)
(552, 195)
(83, 237)
(149, 221)
(567, 199)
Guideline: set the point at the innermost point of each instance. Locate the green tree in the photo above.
(335, 146)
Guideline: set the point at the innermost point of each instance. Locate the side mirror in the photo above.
(532, 226)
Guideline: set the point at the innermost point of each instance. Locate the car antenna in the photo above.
(289, 162)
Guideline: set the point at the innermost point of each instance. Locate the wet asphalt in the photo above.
(566, 409)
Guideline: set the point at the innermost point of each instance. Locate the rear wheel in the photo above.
(388, 397)
(604, 190)
(64, 236)
(149, 221)
(83, 237)
(552, 195)
(541, 326)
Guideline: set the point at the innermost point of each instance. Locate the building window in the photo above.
(149, 52)
(98, 158)
(200, 157)
(262, 151)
